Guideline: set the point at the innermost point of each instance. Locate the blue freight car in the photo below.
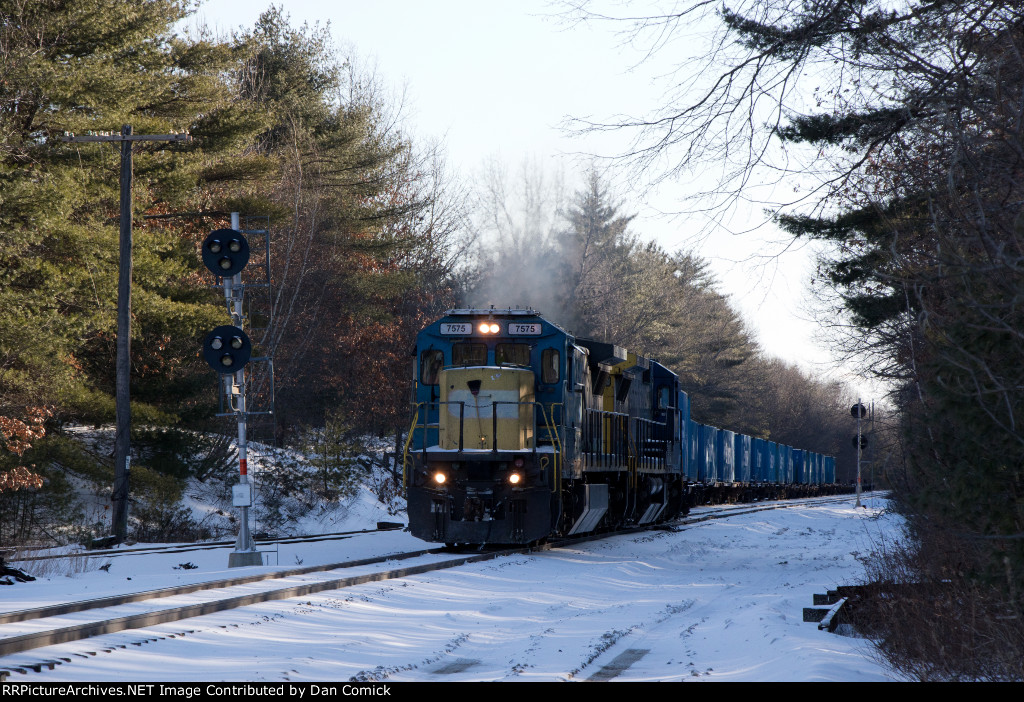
(725, 448)
(743, 458)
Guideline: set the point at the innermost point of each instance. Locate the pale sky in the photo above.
(500, 79)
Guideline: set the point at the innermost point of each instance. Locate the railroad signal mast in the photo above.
(228, 349)
(859, 411)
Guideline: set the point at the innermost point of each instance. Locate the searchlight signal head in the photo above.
(227, 349)
(225, 252)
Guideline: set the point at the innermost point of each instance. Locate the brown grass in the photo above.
(934, 617)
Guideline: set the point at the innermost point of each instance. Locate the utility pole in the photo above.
(122, 439)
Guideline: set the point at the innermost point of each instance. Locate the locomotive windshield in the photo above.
(512, 354)
(467, 354)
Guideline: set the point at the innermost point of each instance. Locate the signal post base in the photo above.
(244, 558)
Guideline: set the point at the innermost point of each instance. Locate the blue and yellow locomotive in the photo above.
(522, 431)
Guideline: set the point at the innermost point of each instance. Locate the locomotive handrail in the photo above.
(604, 422)
(547, 423)
(425, 426)
(494, 417)
(556, 438)
(553, 426)
(462, 418)
(619, 439)
(646, 437)
(622, 439)
(552, 432)
(408, 440)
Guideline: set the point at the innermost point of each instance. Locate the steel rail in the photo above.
(142, 596)
(196, 546)
(25, 642)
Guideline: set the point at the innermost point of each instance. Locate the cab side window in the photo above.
(431, 362)
(549, 366)
(664, 401)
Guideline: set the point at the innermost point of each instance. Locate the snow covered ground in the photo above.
(721, 600)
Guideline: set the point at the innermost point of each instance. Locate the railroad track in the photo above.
(722, 511)
(32, 629)
(27, 630)
(204, 546)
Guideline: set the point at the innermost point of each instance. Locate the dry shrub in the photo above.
(933, 617)
(68, 566)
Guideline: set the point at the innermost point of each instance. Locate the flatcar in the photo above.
(522, 431)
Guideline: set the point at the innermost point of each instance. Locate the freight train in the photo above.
(522, 431)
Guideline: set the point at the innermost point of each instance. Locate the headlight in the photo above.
(440, 478)
(515, 478)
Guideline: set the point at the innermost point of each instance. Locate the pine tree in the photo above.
(660, 304)
(359, 210)
(926, 256)
(95, 66)
(598, 248)
(74, 67)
